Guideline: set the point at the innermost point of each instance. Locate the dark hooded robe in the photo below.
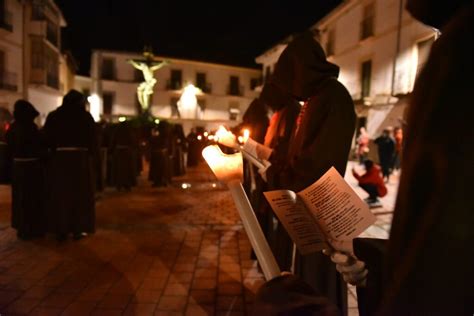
(123, 149)
(71, 137)
(161, 167)
(26, 148)
(429, 261)
(285, 111)
(178, 149)
(321, 139)
(194, 146)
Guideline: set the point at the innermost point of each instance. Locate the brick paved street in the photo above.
(157, 251)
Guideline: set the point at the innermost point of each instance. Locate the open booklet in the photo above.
(327, 214)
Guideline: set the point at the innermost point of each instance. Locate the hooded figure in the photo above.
(429, 262)
(321, 139)
(25, 148)
(124, 149)
(71, 137)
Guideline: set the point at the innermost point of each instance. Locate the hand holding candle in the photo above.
(228, 169)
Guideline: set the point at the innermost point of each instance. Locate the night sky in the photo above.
(230, 32)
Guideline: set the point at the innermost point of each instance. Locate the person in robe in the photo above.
(124, 147)
(72, 140)
(321, 138)
(26, 148)
(386, 149)
(160, 171)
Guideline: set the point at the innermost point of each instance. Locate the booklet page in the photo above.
(297, 221)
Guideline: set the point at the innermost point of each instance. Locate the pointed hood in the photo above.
(274, 97)
(302, 67)
(24, 111)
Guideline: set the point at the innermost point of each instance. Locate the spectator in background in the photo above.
(124, 149)
(26, 148)
(362, 145)
(71, 137)
(398, 136)
(372, 183)
(386, 150)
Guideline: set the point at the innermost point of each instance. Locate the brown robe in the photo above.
(321, 139)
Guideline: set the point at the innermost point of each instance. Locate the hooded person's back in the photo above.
(23, 137)
(70, 125)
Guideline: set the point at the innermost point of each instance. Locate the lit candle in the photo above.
(226, 137)
(228, 169)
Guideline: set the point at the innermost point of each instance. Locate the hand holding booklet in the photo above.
(327, 214)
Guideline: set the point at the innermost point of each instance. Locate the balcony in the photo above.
(52, 80)
(52, 33)
(8, 81)
(6, 22)
(235, 90)
(173, 85)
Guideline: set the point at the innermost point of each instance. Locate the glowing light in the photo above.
(122, 119)
(225, 137)
(206, 134)
(246, 135)
(240, 139)
(214, 185)
(185, 186)
(94, 107)
(188, 102)
(225, 167)
(199, 137)
(210, 137)
(157, 121)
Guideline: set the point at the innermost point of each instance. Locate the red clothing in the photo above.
(372, 176)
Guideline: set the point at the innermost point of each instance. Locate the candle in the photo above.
(228, 169)
(226, 137)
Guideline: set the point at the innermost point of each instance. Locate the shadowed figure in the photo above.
(321, 138)
(26, 149)
(71, 137)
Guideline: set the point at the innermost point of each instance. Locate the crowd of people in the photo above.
(425, 268)
(59, 171)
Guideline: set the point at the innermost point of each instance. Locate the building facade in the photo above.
(379, 48)
(32, 66)
(223, 92)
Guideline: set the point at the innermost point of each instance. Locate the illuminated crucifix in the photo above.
(148, 65)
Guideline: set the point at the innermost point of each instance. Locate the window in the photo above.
(52, 32)
(254, 82)
(366, 71)
(201, 81)
(108, 69)
(5, 17)
(234, 86)
(234, 110)
(367, 24)
(174, 107)
(330, 43)
(175, 82)
(52, 67)
(86, 92)
(137, 75)
(37, 53)
(108, 99)
(423, 49)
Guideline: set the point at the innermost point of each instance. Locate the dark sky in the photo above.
(228, 31)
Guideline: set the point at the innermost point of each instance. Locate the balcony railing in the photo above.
(205, 87)
(6, 21)
(52, 80)
(173, 85)
(235, 90)
(8, 81)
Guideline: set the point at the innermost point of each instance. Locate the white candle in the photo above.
(228, 169)
(226, 137)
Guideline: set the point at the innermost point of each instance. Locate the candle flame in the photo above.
(225, 167)
(225, 137)
(246, 135)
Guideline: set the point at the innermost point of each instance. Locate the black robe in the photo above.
(71, 136)
(321, 139)
(124, 151)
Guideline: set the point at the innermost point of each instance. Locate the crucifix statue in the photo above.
(147, 65)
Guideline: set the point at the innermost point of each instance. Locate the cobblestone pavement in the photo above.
(179, 250)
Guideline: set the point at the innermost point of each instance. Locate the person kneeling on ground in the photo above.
(371, 182)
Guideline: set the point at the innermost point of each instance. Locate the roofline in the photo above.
(269, 50)
(334, 13)
(62, 20)
(189, 61)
